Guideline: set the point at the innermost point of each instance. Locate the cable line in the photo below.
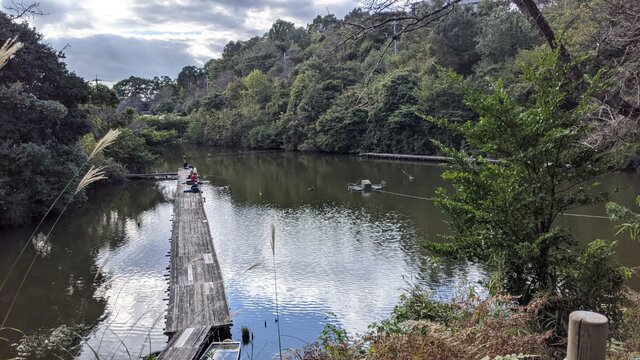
(406, 195)
(431, 199)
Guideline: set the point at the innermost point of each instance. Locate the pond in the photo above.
(340, 257)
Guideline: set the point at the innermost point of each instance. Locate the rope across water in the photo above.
(431, 199)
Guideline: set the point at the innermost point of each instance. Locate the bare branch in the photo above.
(21, 9)
(410, 16)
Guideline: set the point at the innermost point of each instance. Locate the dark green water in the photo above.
(341, 257)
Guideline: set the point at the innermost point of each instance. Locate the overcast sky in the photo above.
(118, 38)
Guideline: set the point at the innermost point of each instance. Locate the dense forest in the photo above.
(322, 88)
(362, 83)
(346, 85)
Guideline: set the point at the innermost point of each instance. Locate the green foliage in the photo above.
(131, 151)
(102, 96)
(310, 89)
(178, 124)
(418, 304)
(595, 282)
(504, 213)
(159, 140)
(453, 40)
(503, 31)
(329, 95)
(310, 97)
(342, 127)
(257, 88)
(40, 124)
(630, 220)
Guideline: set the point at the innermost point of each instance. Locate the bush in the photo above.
(131, 151)
(422, 328)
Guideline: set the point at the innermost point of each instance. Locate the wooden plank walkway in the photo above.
(197, 301)
(428, 158)
(153, 176)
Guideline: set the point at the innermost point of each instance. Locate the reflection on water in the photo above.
(341, 257)
(351, 263)
(64, 294)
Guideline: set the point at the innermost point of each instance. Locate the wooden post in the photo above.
(587, 336)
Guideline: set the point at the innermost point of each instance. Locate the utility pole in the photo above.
(395, 41)
(97, 80)
(286, 70)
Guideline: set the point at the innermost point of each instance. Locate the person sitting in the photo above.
(194, 189)
(193, 178)
(185, 165)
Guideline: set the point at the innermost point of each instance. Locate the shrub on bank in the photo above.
(465, 328)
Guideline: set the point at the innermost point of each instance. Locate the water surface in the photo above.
(340, 257)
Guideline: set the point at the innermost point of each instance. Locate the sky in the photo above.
(115, 39)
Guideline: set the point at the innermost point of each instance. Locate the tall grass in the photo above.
(108, 139)
(8, 49)
(92, 175)
(275, 285)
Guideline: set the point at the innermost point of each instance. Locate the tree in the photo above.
(504, 214)
(283, 33)
(343, 126)
(530, 9)
(502, 32)
(131, 151)
(453, 40)
(257, 88)
(103, 96)
(310, 97)
(191, 77)
(40, 124)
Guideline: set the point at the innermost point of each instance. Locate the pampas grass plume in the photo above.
(94, 174)
(106, 140)
(10, 47)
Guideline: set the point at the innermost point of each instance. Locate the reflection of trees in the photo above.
(283, 179)
(114, 207)
(60, 289)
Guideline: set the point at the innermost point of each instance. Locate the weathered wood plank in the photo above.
(187, 344)
(197, 300)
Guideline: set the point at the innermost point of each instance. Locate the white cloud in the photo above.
(137, 37)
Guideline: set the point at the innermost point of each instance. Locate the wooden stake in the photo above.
(587, 336)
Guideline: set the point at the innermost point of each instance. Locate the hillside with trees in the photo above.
(549, 88)
(349, 85)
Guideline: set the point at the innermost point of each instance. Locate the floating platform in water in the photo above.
(366, 185)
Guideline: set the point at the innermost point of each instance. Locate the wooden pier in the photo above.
(407, 157)
(197, 311)
(153, 176)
